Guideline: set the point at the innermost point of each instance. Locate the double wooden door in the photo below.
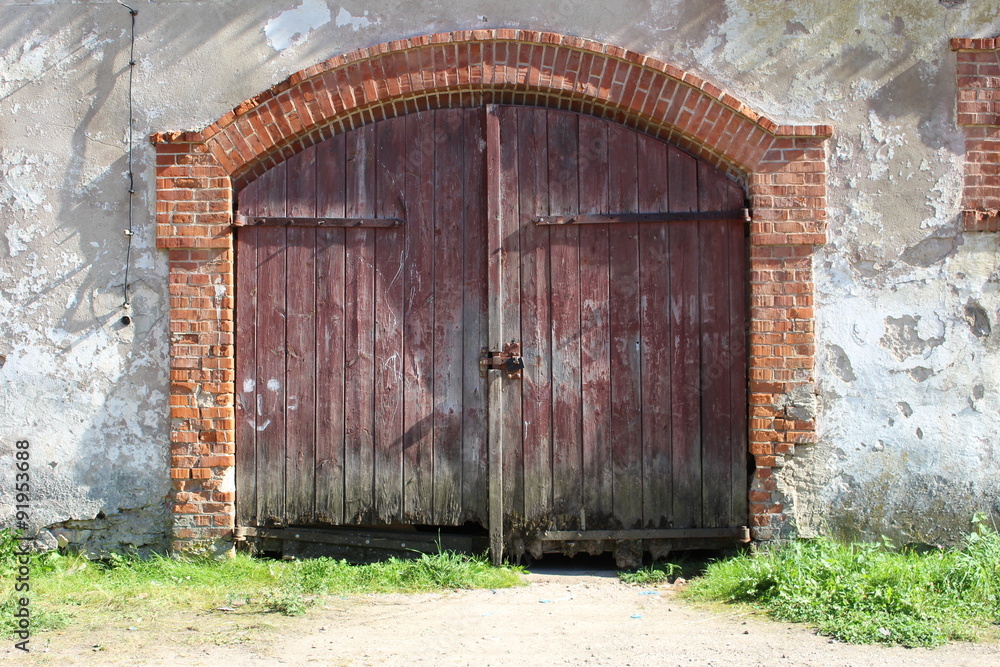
(379, 270)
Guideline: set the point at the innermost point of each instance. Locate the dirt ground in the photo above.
(562, 617)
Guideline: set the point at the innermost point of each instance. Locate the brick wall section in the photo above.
(783, 166)
(978, 112)
(788, 200)
(193, 215)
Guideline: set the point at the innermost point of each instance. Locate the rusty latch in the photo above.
(507, 360)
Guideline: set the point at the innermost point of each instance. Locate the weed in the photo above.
(869, 593)
(658, 572)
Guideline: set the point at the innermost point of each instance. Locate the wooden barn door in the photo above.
(375, 268)
(361, 310)
(629, 420)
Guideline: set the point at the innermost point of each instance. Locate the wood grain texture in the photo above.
(564, 297)
(390, 183)
(685, 351)
(475, 479)
(246, 373)
(536, 405)
(595, 325)
(716, 354)
(508, 279)
(271, 377)
(271, 355)
(498, 404)
(300, 373)
(300, 325)
(625, 366)
(418, 322)
(738, 299)
(359, 317)
(330, 332)
(448, 262)
(655, 336)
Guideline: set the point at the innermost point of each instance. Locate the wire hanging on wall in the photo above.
(131, 175)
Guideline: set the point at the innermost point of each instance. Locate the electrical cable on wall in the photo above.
(131, 175)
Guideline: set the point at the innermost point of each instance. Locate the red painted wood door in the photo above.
(631, 412)
(359, 399)
(359, 396)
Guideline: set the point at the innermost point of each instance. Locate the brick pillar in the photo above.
(788, 195)
(193, 215)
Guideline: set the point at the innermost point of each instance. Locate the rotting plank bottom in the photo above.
(356, 544)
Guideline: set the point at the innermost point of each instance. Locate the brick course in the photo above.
(978, 113)
(783, 166)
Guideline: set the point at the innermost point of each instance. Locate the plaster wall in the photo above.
(908, 339)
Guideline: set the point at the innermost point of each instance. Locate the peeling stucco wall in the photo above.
(907, 343)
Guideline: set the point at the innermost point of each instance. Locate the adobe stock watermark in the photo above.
(22, 575)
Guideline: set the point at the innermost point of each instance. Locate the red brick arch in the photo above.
(783, 167)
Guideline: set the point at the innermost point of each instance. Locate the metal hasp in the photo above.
(507, 360)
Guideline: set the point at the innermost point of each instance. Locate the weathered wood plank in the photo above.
(738, 284)
(716, 353)
(300, 373)
(271, 355)
(246, 374)
(595, 325)
(475, 481)
(685, 352)
(654, 289)
(536, 349)
(564, 289)
(498, 400)
(626, 379)
(448, 345)
(330, 332)
(508, 264)
(418, 322)
(389, 259)
(300, 185)
(300, 326)
(271, 377)
(359, 351)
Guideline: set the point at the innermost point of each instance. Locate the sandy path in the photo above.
(563, 617)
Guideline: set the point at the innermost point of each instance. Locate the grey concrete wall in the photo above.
(907, 306)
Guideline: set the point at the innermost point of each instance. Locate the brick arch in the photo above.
(471, 68)
(783, 166)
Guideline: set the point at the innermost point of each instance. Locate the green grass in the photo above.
(65, 588)
(868, 593)
(658, 572)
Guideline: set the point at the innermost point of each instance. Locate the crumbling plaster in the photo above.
(906, 395)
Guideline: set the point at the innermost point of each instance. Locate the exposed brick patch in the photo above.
(784, 167)
(978, 112)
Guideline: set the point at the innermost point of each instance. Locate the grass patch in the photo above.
(657, 573)
(66, 588)
(869, 593)
(685, 566)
